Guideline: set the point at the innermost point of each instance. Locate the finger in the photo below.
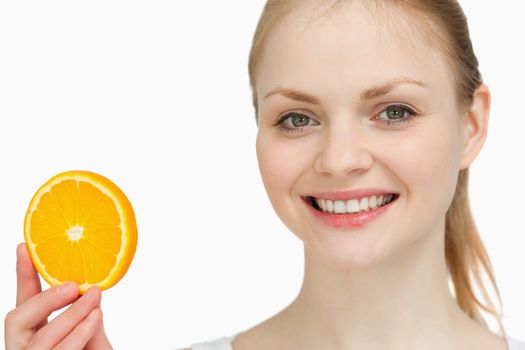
(40, 306)
(63, 324)
(79, 337)
(27, 281)
(99, 341)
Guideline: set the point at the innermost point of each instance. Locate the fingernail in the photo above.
(18, 247)
(19, 251)
(89, 294)
(65, 288)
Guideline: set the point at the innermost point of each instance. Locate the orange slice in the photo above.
(81, 227)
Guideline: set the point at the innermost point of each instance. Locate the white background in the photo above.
(155, 96)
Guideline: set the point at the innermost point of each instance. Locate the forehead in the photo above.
(349, 48)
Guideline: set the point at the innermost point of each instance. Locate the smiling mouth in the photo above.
(352, 206)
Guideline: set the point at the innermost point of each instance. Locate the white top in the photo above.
(225, 343)
(515, 344)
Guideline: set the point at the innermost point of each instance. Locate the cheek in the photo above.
(280, 162)
(427, 163)
(274, 168)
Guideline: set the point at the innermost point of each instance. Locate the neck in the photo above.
(402, 302)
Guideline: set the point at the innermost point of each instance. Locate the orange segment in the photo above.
(81, 227)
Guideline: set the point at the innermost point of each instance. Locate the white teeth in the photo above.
(372, 203)
(340, 207)
(330, 206)
(363, 205)
(353, 205)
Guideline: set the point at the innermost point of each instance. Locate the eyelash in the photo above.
(391, 123)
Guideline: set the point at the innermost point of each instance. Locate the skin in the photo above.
(384, 285)
(80, 326)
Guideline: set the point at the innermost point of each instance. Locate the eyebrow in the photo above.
(367, 94)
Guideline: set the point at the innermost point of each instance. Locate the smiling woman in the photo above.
(369, 115)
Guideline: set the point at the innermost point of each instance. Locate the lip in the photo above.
(346, 195)
(348, 221)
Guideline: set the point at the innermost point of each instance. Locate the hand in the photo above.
(26, 326)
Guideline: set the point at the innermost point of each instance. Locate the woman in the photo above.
(369, 115)
(375, 108)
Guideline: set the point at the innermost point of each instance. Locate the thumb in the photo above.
(27, 280)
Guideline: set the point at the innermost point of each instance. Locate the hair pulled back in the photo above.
(445, 23)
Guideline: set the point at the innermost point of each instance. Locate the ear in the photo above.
(475, 126)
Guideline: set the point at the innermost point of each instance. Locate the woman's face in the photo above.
(356, 131)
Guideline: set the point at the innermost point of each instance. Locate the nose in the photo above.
(344, 151)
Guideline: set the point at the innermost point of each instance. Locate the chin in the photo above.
(347, 254)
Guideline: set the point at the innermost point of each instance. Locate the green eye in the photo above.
(299, 120)
(396, 114)
(293, 122)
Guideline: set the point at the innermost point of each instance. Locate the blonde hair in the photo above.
(444, 22)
